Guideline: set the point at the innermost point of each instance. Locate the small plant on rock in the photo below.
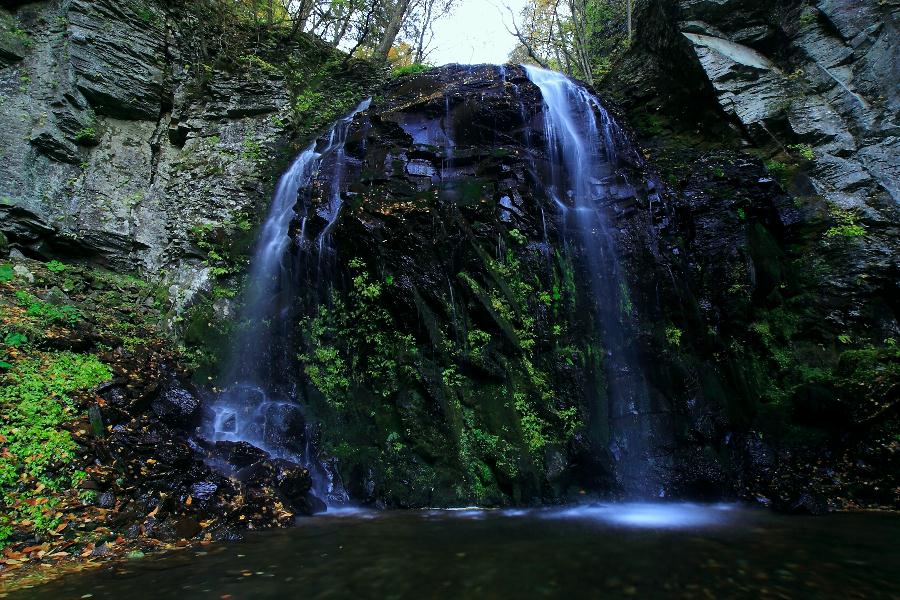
(846, 226)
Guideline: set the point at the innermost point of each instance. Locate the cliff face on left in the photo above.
(139, 137)
(126, 129)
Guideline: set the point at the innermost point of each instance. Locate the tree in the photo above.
(397, 15)
(419, 27)
(579, 37)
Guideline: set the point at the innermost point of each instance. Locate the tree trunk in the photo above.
(630, 12)
(426, 23)
(392, 29)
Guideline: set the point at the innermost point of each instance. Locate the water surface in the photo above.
(593, 551)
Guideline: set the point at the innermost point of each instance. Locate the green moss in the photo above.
(37, 398)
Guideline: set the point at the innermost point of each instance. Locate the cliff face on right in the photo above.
(775, 124)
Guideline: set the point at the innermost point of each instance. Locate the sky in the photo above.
(475, 33)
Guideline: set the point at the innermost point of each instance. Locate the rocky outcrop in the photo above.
(451, 344)
(123, 134)
(821, 74)
(787, 272)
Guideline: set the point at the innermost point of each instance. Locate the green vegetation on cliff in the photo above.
(61, 327)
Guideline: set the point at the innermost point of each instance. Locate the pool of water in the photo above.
(589, 551)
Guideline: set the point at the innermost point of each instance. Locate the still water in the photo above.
(590, 551)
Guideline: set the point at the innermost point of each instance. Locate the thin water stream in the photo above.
(581, 143)
(259, 404)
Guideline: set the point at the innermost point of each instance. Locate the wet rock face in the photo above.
(815, 79)
(783, 271)
(91, 170)
(177, 405)
(119, 150)
(820, 74)
(451, 340)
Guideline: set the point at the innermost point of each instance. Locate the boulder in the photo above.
(176, 405)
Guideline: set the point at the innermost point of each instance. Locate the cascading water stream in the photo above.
(582, 153)
(258, 404)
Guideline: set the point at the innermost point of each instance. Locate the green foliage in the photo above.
(532, 425)
(48, 313)
(518, 237)
(257, 62)
(37, 400)
(810, 15)
(6, 273)
(86, 134)
(649, 124)
(146, 15)
(356, 341)
(411, 69)
(226, 244)
(779, 170)
(252, 150)
(451, 377)
(477, 343)
(15, 339)
(673, 336)
(847, 225)
(627, 304)
(55, 266)
(805, 151)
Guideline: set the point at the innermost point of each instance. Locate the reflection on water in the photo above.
(588, 551)
(659, 515)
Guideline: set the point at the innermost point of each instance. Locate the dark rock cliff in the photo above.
(452, 348)
(789, 272)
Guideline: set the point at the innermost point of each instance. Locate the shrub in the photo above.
(55, 266)
(410, 69)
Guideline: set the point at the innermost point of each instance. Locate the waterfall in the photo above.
(581, 144)
(258, 404)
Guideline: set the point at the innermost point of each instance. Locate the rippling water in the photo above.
(589, 551)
